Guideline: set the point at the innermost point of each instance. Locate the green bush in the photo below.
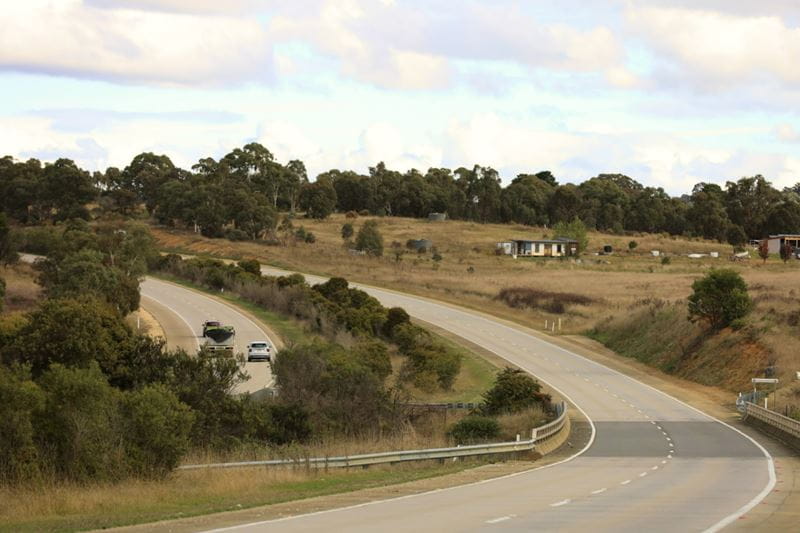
(250, 265)
(374, 355)
(156, 430)
(369, 239)
(20, 398)
(719, 298)
(474, 429)
(513, 391)
(665, 260)
(78, 427)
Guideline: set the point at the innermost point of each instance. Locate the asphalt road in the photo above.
(654, 464)
(181, 312)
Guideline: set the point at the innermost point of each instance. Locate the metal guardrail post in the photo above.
(364, 460)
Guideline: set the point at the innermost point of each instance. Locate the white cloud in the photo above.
(787, 133)
(126, 45)
(718, 49)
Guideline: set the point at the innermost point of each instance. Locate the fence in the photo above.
(789, 426)
(538, 435)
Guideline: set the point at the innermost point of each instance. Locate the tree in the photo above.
(474, 428)
(763, 249)
(74, 333)
(513, 391)
(574, 230)
(369, 239)
(8, 253)
(736, 237)
(318, 199)
(786, 251)
(632, 245)
(719, 298)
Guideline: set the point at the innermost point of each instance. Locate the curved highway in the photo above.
(654, 463)
(182, 311)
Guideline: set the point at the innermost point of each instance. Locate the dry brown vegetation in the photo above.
(470, 274)
(22, 292)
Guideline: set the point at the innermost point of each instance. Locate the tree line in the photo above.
(241, 194)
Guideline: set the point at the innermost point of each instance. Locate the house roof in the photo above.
(778, 236)
(559, 240)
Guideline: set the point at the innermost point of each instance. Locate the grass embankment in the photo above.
(70, 508)
(470, 275)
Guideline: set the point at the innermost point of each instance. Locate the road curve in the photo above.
(655, 463)
(192, 308)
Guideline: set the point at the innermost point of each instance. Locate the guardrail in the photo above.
(787, 425)
(538, 435)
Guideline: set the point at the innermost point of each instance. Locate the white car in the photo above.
(259, 351)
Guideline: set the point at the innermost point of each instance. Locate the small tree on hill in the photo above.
(719, 298)
(573, 230)
(763, 249)
(369, 239)
(632, 245)
(786, 251)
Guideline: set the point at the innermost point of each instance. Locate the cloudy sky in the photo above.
(670, 92)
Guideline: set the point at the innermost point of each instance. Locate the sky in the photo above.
(669, 92)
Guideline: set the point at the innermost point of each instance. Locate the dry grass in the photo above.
(22, 292)
(65, 507)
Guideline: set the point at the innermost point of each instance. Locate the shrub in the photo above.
(78, 427)
(437, 257)
(347, 231)
(156, 430)
(554, 302)
(474, 428)
(395, 317)
(632, 245)
(351, 214)
(310, 238)
(250, 265)
(236, 235)
(19, 399)
(719, 298)
(437, 360)
(369, 239)
(513, 391)
(375, 356)
(364, 212)
(665, 260)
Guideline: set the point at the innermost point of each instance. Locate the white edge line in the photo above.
(173, 311)
(178, 286)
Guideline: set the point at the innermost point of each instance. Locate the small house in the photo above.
(776, 242)
(558, 247)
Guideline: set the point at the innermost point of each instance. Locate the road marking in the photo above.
(669, 438)
(659, 427)
(654, 468)
(599, 491)
(643, 474)
(671, 445)
(653, 422)
(559, 504)
(500, 519)
(625, 482)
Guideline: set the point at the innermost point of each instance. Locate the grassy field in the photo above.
(70, 508)
(471, 275)
(22, 292)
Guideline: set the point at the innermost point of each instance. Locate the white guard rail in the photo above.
(790, 426)
(539, 434)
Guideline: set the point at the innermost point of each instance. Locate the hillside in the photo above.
(607, 290)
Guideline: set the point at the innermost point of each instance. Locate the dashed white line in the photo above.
(559, 504)
(663, 461)
(643, 474)
(625, 482)
(599, 491)
(654, 468)
(500, 519)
